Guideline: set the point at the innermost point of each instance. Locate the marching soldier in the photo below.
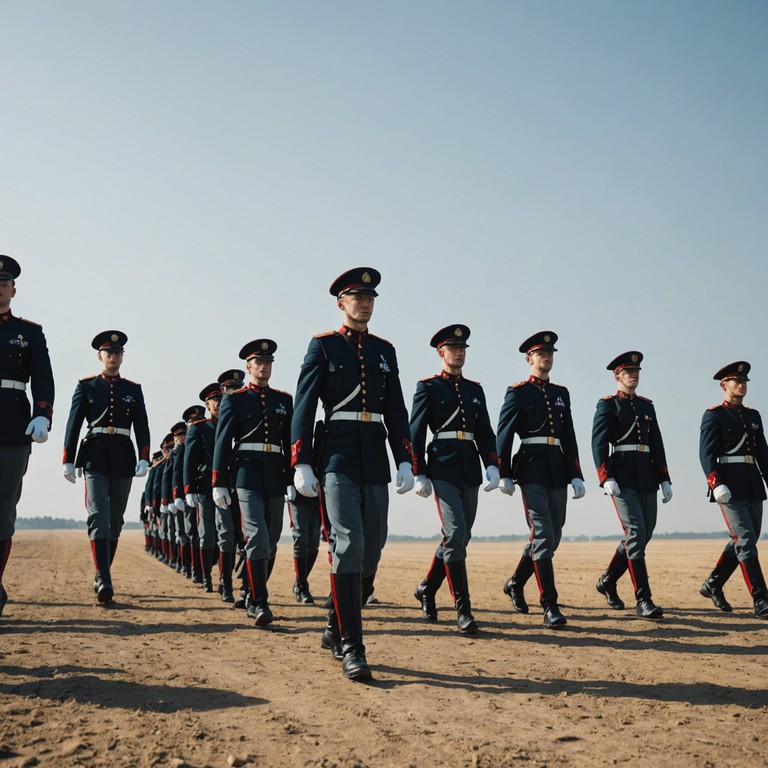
(111, 406)
(539, 412)
(304, 514)
(180, 540)
(254, 436)
(734, 457)
(190, 546)
(631, 464)
(161, 504)
(24, 361)
(455, 411)
(355, 376)
(150, 511)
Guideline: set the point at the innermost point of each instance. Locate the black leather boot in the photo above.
(426, 591)
(100, 551)
(646, 608)
(515, 584)
(348, 594)
(331, 640)
(186, 559)
(206, 556)
(226, 563)
(5, 551)
(545, 576)
(301, 589)
(258, 608)
(197, 565)
(753, 576)
(367, 588)
(606, 584)
(714, 583)
(457, 580)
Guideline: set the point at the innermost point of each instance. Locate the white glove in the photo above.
(69, 472)
(192, 499)
(611, 487)
(423, 486)
(404, 480)
(38, 428)
(148, 509)
(221, 498)
(164, 508)
(579, 489)
(290, 493)
(179, 503)
(492, 476)
(666, 491)
(722, 494)
(507, 485)
(142, 467)
(305, 481)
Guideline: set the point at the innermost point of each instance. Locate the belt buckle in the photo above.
(642, 448)
(111, 430)
(267, 447)
(460, 434)
(550, 441)
(365, 416)
(749, 459)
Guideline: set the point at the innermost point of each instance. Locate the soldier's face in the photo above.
(7, 292)
(628, 378)
(179, 439)
(357, 307)
(734, 389)
(542, 359)
(260, 370)
(453, 356)
(111, 359)
(212, 404)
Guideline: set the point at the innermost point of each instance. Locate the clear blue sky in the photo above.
(196, 174)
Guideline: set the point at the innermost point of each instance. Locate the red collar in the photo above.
(6, 316)
(726, 404)
(624, 395)
(352, 333)
(255, 388)
(109, 378)
(537, 381)
(449, 376)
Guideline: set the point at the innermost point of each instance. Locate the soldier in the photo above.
(25, 359)
(304, 514)
(254, 436)
(198, 460)
(734, 457)
(180, 542)
(111, 405)
(355, 376)
(631, 464)
(160, 503)
(455, 410)
(150, 511)
(540, 413)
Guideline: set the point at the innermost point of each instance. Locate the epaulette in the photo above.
(608, 397)
(374, 336)
(88, 378)
(128, 381)
(30, 322)
(324, 334)
(199, 421)
(715, 407)
(429, 378)
(239, 391)
(647, 399)
(281, 392)
(472, 381)
(518, 384)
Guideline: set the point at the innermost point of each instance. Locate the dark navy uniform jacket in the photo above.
(352, 372)
(537, 408)
(446, 403)
(23, 357)
(149, 489)
(166, 487)
(198, 456)
(729, 431)
(109, 401)
(157, 484)
(623, 419)
(254, 415)
(177, 480)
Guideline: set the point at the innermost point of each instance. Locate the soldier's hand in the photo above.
(179, 504)
(507, 486)
(164, 508)
(69, 472)
(611, 487)
(142, 467)
(722, 494)
(404, 480)
(192, 499)
(579, 489)
(221, 498)
(666, 491)
(38, 428)
(305, 481)
(423, 487)
(290, 493)
(492, 476)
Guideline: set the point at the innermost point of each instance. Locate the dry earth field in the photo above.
(172, 676)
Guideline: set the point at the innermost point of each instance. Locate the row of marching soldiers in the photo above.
(199, 535)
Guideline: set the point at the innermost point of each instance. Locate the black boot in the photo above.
(258, 609)
(646, 608)
(226, 563)
(753, 576)
(426, 591)
(515, 584)
(545, 575)
(197, 565)
(332, 637)
(348, 595)
(186, 559)
(714, 583)
(367, 587)
(301, 589)
(5, 551)
(457, 580)
(206, 555)
(606, 584)
(100, 551)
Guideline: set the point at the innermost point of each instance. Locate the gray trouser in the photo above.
(206, 522)
(190, 524)
(637, 513)
(225, 528)
(305, 525)
(358, 518)
(163, 525)
(545, 514)
(13, 465)
(262, 523)
(744, 520)
(181, 527)
(106, 499)
(457, 507)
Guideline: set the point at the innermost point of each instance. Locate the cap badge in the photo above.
(458, 332)
(741, 367)
(634, 358)
(1, 264)
(547, 337)
(115, 337)
(366, 277)
(264, 345)
(237, 376)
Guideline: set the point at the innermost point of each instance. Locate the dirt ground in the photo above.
(172, 676)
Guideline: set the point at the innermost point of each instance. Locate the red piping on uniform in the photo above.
(432, 568)
(336, 602)
(93, 554)
(538, 580)
(326, 535)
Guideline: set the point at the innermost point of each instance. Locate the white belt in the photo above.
(111, 431)
(355, 416)
(263, 447)
(541, 441)
(736, 460)
(640, 448)
(455, 435)
(12, 384)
